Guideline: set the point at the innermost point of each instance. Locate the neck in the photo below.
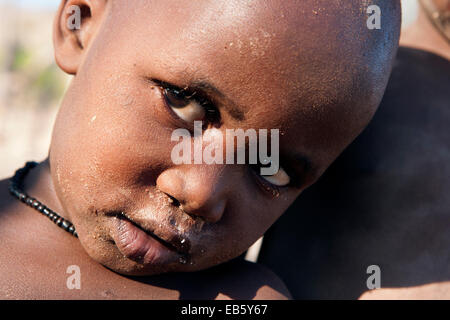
(39, 185)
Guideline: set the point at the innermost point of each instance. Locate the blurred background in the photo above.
(31, 85)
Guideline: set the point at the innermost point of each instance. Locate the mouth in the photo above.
(149, 245)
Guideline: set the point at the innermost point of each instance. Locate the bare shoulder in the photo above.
(37, 269)
(243, 280)
(432, 291)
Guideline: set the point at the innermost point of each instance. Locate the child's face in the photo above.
(111, 148)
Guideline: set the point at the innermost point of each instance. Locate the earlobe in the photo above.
(75, 24)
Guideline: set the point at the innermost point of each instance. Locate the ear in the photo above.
(74, 27)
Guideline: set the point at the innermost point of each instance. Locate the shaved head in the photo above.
(310, 68)
(322, 51)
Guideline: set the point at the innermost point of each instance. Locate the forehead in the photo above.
(285, 63)
(279, 48)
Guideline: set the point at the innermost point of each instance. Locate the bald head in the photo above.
(321, 49)
(308, 61)
(312, 59)
(309, 68)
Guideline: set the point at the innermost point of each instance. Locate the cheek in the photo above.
(248, 218)
(110, 143)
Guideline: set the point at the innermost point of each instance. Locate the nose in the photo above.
(200, 190)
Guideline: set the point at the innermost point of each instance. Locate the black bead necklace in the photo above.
(16, 189)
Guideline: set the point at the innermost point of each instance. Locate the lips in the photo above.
(148, 246)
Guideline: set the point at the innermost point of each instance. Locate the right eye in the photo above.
(187, 108)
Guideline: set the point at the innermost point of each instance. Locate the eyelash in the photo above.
(272, 190)
(211, 111)
(269, 188)
(213, 118)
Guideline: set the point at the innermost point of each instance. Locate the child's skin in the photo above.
(309, 68)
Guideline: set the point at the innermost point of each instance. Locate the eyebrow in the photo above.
(210, 91)
(207, 88)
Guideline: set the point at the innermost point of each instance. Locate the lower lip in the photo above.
(138, 246)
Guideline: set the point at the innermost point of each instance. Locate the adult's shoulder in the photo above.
(234, 280)
(383, 202)
(243, 280)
